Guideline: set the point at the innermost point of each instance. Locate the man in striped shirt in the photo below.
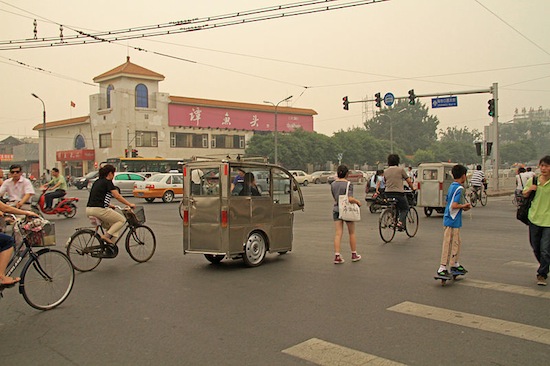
(478, 179)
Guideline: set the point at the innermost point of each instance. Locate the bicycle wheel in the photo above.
(47, 279)
(411, 226)
(141, 243)
(483, 198)
(80, 247)
(386, 225)
(473, 199)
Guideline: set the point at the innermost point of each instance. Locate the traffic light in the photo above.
(134, 153)
(346, 103)
(125, 153)
(412, 97)
(489, 147)
(478, 148)
(491, 107)
(378, 99)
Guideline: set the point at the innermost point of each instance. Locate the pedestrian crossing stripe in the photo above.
(521, 290)
(325, 353)
(499, 326)
(522, 264)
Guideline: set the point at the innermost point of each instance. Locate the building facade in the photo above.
(130, 114)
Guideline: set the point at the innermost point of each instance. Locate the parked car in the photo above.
(301, 177)
(354, 176)
(321, 176)
(82, 182)
(166, 186)
(123, 181)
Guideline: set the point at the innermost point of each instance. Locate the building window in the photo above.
(227, 142)
(142, 99)
(110, 88)
(79, 142)
(188, 140)
(105, 140)
(146, 138)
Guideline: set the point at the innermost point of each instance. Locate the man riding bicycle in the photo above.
(394, 177)
(478, 180)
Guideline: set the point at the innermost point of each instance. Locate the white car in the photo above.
(123, 181)
(301, 177)
(167, 187)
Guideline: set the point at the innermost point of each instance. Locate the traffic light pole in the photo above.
(496, 148)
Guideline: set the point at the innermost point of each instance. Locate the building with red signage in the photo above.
(130, 113)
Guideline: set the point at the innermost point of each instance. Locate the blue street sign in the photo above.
(444, 102)
(389, 99)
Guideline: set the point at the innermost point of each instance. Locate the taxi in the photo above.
(166, 186)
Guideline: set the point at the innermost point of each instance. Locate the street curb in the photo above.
(499, 193)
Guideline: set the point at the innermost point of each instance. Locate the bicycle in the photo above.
(48, 276)
(86, 249)
(473, 196)
(387, 223)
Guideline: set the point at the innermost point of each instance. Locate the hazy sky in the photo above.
(431, 46)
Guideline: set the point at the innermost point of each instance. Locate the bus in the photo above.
(158, 165)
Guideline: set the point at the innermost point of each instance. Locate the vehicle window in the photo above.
(209, 182)
(429, 174)
(262, 181)
(121, 177)
(169, 180)
(177, 179)
(155, 178)
(135, 177)
(281, 187)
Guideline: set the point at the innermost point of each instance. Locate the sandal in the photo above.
(8, 281)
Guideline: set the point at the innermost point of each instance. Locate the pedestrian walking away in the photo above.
(539, 219)
(338, 187)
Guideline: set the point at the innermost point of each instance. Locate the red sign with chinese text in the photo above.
(73, 155)
(189, 116)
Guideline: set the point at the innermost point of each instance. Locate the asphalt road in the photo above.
(182, 310)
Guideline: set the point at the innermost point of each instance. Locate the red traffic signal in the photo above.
(345, 103)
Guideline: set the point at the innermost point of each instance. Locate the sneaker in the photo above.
(541, 281)
(444, 273)
(459, 269)
(355, 257)
(338, 259)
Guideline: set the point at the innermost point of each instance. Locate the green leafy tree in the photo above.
(460, 135)
(412, 127)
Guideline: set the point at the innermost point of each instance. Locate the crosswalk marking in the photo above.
(522, 264)
(518, 330)
(521, 290)
(329, 354)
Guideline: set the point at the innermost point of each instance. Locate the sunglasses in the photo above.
(15, 171)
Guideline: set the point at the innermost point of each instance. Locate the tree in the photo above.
(412, 127)
(460, 135)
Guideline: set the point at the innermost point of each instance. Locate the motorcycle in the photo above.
(65, 206)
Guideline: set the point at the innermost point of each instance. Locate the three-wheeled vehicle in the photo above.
(221, 219)
(433, 180)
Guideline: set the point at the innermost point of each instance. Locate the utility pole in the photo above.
(496, 149)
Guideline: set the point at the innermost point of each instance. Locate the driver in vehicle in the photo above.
(58, 186)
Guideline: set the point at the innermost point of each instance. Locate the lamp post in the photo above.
(276, 127)
(391, 128)
(44, 165)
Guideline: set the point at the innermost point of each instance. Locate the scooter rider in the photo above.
(58, 185)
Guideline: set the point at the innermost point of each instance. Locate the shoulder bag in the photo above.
(348, 211)
(522, 213)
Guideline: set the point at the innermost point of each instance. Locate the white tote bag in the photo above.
(348, 211)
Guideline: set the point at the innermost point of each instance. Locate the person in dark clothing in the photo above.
(250, 188)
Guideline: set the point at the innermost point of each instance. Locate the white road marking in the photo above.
(324, 353)
(521, 290)
(518, 330)
(531, 265)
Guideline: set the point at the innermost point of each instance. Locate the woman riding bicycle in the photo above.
(394, 177)
(99, 203)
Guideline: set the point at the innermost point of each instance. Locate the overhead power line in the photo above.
(184, 26)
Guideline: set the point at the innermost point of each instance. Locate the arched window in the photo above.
(110, 88)
(79, 142)
(142, 99)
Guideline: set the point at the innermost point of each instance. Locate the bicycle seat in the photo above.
(95, 221)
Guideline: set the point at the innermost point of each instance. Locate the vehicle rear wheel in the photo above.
(168, 196)
(305, 183)
(80, 248)
(214, 259)
(72, 211)
(149, 199)
(386, 225)
(428, 211)
(255, 249)
(411, 226)
(473, 199)
(483, 198)
(317, 181)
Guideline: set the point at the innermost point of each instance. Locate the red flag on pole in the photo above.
(73, 104)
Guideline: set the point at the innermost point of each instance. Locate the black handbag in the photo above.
(522, 213)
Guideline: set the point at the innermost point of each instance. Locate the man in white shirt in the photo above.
(18, 188)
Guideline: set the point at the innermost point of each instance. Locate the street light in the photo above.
(276, 129)
(391, 128)
(44, 165)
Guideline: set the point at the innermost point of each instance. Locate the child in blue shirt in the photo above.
(452, 221)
